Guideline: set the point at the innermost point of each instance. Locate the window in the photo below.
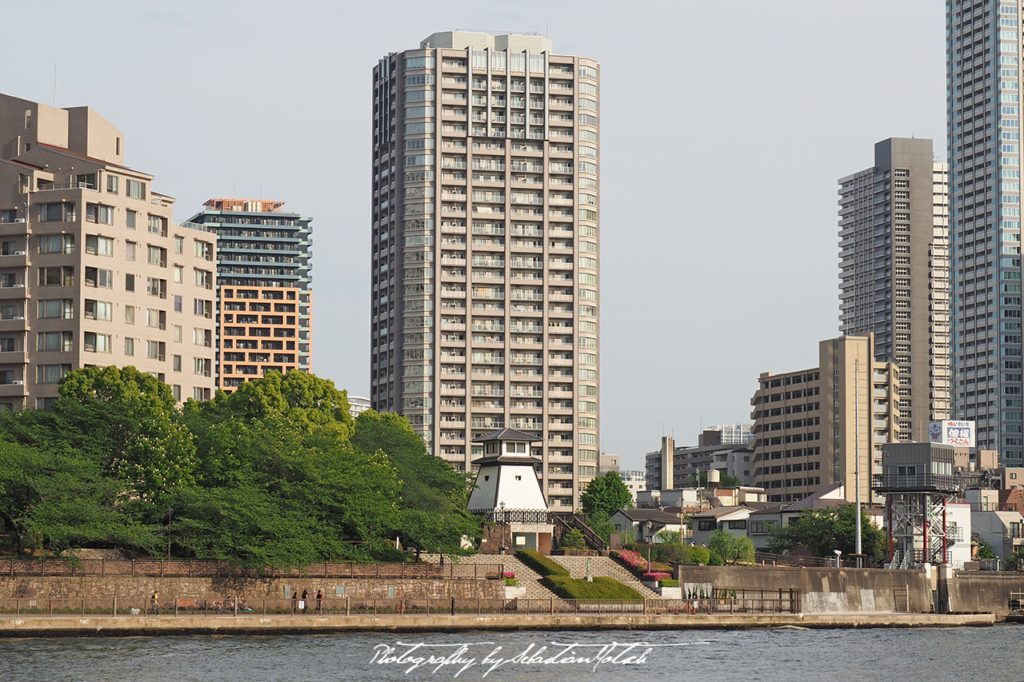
(203, 308)
(58, 308)
(204, 278)
(176, 392)
(97, 343)
(54, 341)
(202, 337)
(57, 276)
(98, 277)
(156, 287)
(177, 304)
(100, 246)
(156, 256)
(154, 350)
(179, 245)
(129, 282)
(98, 310)
(98, 213)
(177, 333)
(112, 184)
(130, 219)
(200, 393)
(176, 363)
(157, 225)
(706, 524)
(57, 243)
(135, 189)
(129, 250)
(202, 366)
(153, 318)
(129, 346)
(179, 274)
(204, 250)
(51, 374)
(57, 212)
(11, 311)
(737, 524)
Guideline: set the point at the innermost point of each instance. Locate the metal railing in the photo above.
(515, 516)
(211, 569)
(914, 482)
(747, 602)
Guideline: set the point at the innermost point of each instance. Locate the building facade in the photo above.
(894, 273)
(983, 48)
(264, 293)
(484, 285)
(94, 270)
(726, 434)
(806, 423)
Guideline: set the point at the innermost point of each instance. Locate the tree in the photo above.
(605, 495)
(821, 531)
(985, 550)
(732, 548)
(574, 540)
(700, 480)
(672, 537)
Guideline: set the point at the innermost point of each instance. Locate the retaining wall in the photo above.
(103, 587)
(981, 592)
(824, 590)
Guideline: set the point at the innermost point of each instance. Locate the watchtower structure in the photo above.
(918, 480)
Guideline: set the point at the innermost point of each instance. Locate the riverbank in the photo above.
(108, 626)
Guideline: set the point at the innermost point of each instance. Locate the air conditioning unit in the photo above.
(18, 382)
(18, 253)
(19, 220)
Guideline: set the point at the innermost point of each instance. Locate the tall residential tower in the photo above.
(484, 296)
(894, 253)
(264, 299)
(983, 84)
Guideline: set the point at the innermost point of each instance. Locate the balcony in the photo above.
(915, 483)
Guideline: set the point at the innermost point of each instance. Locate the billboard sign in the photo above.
(957, 433)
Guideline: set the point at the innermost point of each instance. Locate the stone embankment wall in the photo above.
(823, 590)
(103, 587)
(981, 592)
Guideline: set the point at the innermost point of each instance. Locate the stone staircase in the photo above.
(527, 577)
(603, 567)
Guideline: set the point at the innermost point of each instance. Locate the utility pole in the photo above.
(856, 449)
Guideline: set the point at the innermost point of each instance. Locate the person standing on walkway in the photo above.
(156, 604)
(304, 604)
(320, 601)
(295, 602)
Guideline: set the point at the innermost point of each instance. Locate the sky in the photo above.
(724, 130)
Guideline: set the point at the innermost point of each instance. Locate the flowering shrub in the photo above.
(632, 559)
(509, 575)
(655, 576)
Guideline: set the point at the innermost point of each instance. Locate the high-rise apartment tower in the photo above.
(94, 270)
(894, 272)
(983, 84)
(485, 276)
(264, 298)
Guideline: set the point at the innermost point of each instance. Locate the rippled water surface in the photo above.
(993, 654)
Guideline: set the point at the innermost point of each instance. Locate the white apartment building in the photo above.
(485, 279)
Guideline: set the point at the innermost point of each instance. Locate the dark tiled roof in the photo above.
(508, 434)
(507, 459)
(649, 515)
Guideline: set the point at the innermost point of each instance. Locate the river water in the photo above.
(993, 654)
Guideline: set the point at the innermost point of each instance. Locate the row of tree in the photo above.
(275, 474)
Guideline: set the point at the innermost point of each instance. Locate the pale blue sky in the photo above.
(724, 129)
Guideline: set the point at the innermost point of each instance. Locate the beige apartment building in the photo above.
(94, 270)
(894, 262)
(485, 280)
(808, 424)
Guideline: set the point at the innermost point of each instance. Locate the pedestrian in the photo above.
(320, 601)
(295, 601)
(302, 604)
(156, 604)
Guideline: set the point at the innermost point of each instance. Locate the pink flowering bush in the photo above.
(632, 559)
(655, 576)
(510, 574)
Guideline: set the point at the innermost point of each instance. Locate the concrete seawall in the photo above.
(183, 625)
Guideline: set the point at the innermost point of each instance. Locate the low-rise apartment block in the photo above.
(94, 270)
(808, 424)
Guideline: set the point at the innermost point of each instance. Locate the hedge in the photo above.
(670, 583)
(601, 588)
(541, 564)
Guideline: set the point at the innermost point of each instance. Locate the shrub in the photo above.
(655, 576)
(574, 540)
(671, 553)
(510, 582)
(714, 559)
(510, 574)
(601, 588)
(699, 555)
(541, 563)
(670, 583)
(631, 559)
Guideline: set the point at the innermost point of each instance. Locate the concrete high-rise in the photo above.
(264, 297)
(485, 276)
(894, 263)
(94, 270)
(811, 426)
(983, 83)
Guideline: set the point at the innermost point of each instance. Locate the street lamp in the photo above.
(649, 525)
(838, 554)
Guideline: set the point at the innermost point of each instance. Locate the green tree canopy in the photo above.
(732, 548)
(605, 495)
(821, 531)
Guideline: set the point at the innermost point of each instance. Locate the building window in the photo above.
(129, 282)
(98, 213)
(51, 374)
(99, 246)
(179, 274)
(201, 366)
(98, 310)
(97, 343)
(129, 346)
(112, 184)
(176, 392)
(56, 308)
(57, 212)
(129, 250)
(130, 219)
(179, 244)
(176, 363)
(57, 276)
(135, 189)
(98, 277)
(57, 243)
(54, 341)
